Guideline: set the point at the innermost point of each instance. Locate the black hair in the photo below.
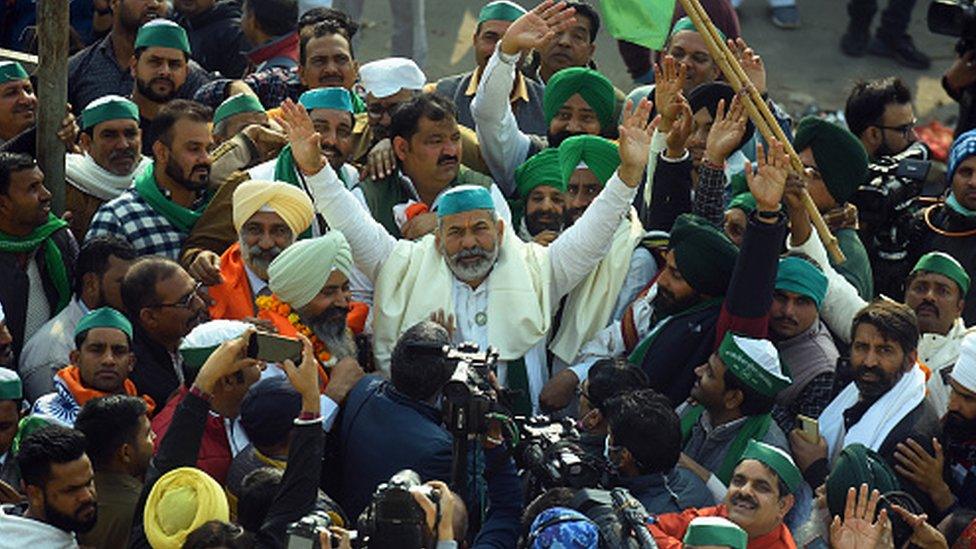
(554, 497)
(49, 445)
(94, 257)
(258, 490)
(139, 284)
(174, 111)
(108, 423)
(405, 119)
(754, 403)
(895, 321)
(644, 423)
(11, 163)
(326, 27)
(610, 377)
(317, 15)
(217, 534)
(273, 17)
(867, 102)
(589, 12)
(417, 367)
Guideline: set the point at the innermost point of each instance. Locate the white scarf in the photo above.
(83, 173)
(880, 418)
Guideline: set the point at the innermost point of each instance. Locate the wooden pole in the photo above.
(52, 88)
(758, 111)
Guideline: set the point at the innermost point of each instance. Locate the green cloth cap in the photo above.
(300, 272)
(10, 386)
(336, 99)
(203, 340)
(162, 33)
(704, 255)
(777, 460)
(744, 201)
(464, 198)
(237, 104)
(600, 155)
(108, 107)
(541, 169)
(12, 71)
(595, 89)
(754, 362)
(856, 465)
(106, 317)
(705, 531)
(500, 10)
(840, 156)
(686, 24)
(28, 425)
(945, 265)
(800, 276)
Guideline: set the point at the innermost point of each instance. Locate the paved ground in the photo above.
(805, 65)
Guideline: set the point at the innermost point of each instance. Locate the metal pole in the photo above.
(52, 91)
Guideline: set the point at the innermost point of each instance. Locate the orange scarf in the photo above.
(71, 377)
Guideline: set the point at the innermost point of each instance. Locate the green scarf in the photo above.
(182, 218)
(755, 427)
(56, 268)
(286, 170)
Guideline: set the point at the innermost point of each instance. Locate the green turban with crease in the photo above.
(592, 86)
(705, 256)
(600, 155)
(841, 158)
(540, 169)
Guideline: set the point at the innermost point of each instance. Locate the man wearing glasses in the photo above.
(880, 114)
(164, 303)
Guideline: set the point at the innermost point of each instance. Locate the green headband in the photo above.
(775, 459)
(337, 99)
(12, 71)
(592, 86)
(540, 169)
(945, 265)
(237, 104)
(744, 201)
(686, 24)
(161, 33)
(600, 155)
(464, 198)
(106, 317)
(754, 362)
(705, 531)
(799, 276)
(501, 10)
(109, 107)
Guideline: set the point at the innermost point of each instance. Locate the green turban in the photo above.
(600, 155)
(945, 265)
(299, 273)
(743, 201)
(12, 71)
(686, 24)
(856, 465)
(715, 531)
(500, 10)
(799, 276)
(540, 169)
(237, 104)
(840, 156)
(754, 362)
(337, 99)
(203, 340)
(705, 256)
(105, 317)
(162, 33)
(108, 107)
(595, 89)
(777, 460)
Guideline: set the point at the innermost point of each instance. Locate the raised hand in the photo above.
(923, 534)
(537, 27)
(769, 181)
(635, 141)
(751, 63)
(677, 140)
(726, 132)
(305, 376)
(229, 358)
(302, 137)
(380, 161)
(669, 80)
(859, 529)
(924, 470)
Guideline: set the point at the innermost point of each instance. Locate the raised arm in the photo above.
(723, 139)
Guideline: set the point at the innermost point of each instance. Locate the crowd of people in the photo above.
(250, 344)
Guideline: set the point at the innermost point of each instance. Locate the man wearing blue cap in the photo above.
(501, 291)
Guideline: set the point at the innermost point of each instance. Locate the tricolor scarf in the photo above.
(83, 173)
(70, 377)
(41, 236)
(182, 218)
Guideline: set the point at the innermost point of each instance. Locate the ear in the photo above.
(147, 318)
(85, 141)
(872, 135)
(733, 399)
(160, 152)
(400, 147)
(90, 283)
(124, 453)
(592, 49)
(132, 65)
(785, 504)
(501, 230)
(960, 306)
(912, 359)
(73, 356)
(132, 361)
(35, 495)
(301, 75)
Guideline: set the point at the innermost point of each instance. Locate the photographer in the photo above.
(643, 446)
(388, 426)
(959, 81)
(608, 378)
(880, 114)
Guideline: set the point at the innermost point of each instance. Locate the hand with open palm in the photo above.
(304, 140)
(537, 27)
(726, 132)
(859, 528)
(669, 80)
(635, 141)
(769, 180)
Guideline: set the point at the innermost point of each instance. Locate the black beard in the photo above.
(145, 89)
(535, 226)
(175, 172)
(956, 427)
(69, 523)
(666, 304)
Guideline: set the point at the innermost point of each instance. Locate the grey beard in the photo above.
(477, 271)
(333, 333)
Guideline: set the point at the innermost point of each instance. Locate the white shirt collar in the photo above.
(254, 281)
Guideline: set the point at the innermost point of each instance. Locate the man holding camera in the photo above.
(880, 114)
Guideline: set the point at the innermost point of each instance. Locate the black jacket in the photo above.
(154, 372)
(963, 248)
(216, 39)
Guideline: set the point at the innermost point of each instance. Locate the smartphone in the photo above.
(274, 348)
(809, 428)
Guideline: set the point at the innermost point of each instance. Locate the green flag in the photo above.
(643, 22)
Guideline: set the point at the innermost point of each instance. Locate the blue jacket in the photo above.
(678, 490)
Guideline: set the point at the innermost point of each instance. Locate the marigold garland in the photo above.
(272, 304)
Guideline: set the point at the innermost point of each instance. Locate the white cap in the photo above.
(213, 332)
(964, 372)
(386, 77)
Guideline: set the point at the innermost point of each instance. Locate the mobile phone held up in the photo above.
(809, 428)
(274, 348)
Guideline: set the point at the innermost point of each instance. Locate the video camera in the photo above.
(620, 518)
(954, 18)
(469, 396)
(393, 518)
(549, 455)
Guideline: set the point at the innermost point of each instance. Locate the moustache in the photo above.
(447, 159)
(785, 320)
(124, 154)
(162, 79)
(743, 499)
(928, 306)
(21, 109)
(203, 167)
(330, 150)
(471, 253)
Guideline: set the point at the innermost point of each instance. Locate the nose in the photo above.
(700, 370)
(563, 38)
(45, 194)
(344, 298)
(451, 148)
(266, 242)
(574, 126)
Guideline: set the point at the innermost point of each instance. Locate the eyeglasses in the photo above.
(377, 110)
(906, 130)
(186, 301)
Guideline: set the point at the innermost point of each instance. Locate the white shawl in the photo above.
(83, 173)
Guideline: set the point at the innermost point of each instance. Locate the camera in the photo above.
(620, 518)
(469, 397)
(304, 534)
(549, 456)
(954, 18)
(394, 519)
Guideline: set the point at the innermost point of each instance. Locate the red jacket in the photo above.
(669, 530)
(214, 457)
(232, 298)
